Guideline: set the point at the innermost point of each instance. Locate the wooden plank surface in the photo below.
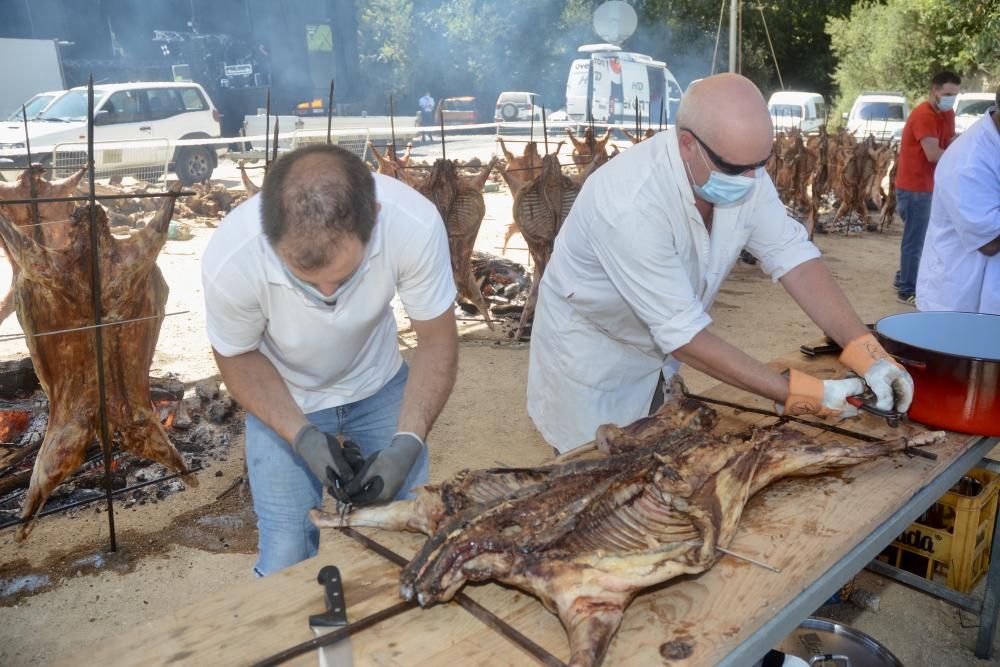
(803, 526)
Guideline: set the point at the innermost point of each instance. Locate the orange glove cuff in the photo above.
(805, 395)
(864, 351)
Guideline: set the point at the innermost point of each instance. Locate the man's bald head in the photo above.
(728, 113)
(313, 197)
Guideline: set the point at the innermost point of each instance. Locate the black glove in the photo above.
(335, 485)
(327, 460)
(384, 472)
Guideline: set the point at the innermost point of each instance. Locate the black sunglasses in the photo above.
(724, 166)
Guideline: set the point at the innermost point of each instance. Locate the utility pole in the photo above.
(734, 12)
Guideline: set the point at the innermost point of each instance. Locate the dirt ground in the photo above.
(190, 543)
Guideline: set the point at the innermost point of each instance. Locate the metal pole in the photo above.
(733, 30)
(95, 292)
(329, 113)
(545, 130)
(392, 125)
(443, 156)
(32, 191)
(274, 143)
(267, 128)
(531, 132)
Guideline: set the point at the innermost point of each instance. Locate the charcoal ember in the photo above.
(207, 390)
(221, 410)
(182, 417)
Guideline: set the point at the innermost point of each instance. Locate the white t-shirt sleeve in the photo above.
(233, 314)
(639, 266)
(424, 280)
(778, 241)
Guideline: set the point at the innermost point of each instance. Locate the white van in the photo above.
(882, 114)
(620, 79)
(806, 111)
(154, 114)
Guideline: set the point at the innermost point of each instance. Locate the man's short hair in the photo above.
(941, 78)
(311, 212)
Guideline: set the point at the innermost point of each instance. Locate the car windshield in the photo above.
(71, 106)
(786, 110)
(458, 105)
(32, 107)
(964, 108)
(880, 111)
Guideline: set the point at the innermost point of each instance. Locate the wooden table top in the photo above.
(802, 526)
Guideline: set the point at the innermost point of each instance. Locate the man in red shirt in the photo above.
(928, 131)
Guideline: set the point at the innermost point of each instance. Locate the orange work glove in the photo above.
(889, 381)
(808, 395)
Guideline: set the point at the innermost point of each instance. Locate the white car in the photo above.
(878, 113)
(36, 105)
(163, 112)
(513, 106)
(970, 107)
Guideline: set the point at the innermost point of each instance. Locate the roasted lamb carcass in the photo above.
(53, 293)
(587, 148)
(587, 536)
(249, 186)
(54, 217)
(459, 200)
(540, 208)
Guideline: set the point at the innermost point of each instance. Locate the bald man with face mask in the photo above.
(641, 257)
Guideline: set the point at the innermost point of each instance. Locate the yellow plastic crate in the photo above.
(953, 537)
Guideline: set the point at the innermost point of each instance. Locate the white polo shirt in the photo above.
(328, 356)
(632, 277)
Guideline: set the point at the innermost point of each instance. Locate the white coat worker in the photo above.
(641, 257)
(298, 281)
(960, 263)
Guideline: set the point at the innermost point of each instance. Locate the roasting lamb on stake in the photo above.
(587, 536)
(249, 186)
(587, 148)
(459, 200)
(55, 232)
(53, 293)
(540, 207)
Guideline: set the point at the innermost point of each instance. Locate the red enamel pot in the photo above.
(954, 359)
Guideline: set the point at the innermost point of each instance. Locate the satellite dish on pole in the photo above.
(615, 21)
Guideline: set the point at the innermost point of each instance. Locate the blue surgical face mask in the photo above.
(314, 294)
(721, 189)
(946, 102)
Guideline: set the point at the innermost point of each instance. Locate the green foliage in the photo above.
(901, 44)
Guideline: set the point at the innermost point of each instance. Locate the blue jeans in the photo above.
(284, 489)
(915, 210)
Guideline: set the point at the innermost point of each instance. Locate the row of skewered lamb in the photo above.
(543, 195)
(804, 170)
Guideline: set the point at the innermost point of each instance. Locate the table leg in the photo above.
(991, 600)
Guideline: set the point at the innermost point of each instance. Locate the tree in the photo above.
(901, 44)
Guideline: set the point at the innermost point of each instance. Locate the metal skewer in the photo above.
(739, 556)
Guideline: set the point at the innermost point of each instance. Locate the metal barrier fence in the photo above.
(145, 159)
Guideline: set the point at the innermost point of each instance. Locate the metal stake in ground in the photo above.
(392, 125)
(95, 292)
(545, 130)
(267, 129)
(443, 156)
(274, 144)
(329, 113)
(31, 181)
